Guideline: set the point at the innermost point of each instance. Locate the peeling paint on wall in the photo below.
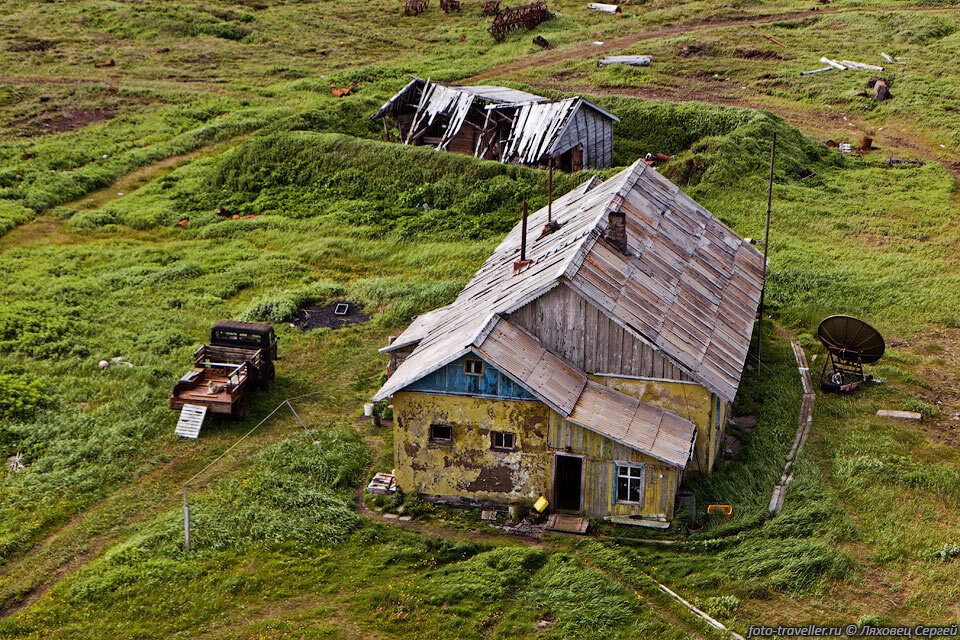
(469, 466)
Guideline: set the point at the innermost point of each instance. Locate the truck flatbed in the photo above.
(239, 359)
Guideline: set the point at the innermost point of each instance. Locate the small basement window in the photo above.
(441, 434)
(473, 367)
(503, 440)
(630, 484)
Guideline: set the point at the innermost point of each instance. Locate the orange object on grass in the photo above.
(725, 509)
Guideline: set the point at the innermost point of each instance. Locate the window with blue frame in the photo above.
(629, 483)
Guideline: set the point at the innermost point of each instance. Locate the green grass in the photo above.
(216, 105)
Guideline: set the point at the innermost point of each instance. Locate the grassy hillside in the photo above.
(98, 164)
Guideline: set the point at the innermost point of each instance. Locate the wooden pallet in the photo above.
(191, 420)
(567, 523)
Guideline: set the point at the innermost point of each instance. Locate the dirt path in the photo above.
(440, 532)
(814, 122)
(704, 24)
(584, 51)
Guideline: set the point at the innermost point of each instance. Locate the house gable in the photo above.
(453, 379)
(567, 323)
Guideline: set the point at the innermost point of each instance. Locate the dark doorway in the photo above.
(566, 484)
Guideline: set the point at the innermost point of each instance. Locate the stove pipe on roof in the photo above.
(616, 233)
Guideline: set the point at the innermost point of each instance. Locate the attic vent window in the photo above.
(473, 367)
(341, 309)
(441, 434)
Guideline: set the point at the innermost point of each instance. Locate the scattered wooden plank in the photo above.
(630, 61)
(833, 63)
(861, 65)
(567, 523)
(770, 38)
(606, 8)
(899, 415)
(804, 424)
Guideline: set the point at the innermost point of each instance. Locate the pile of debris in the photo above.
(331, 316)
(527, 16)
(524, 528)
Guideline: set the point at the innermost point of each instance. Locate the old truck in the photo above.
(238, 360)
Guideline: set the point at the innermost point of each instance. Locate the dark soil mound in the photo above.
(30, 44)
(756, 54)
(63, 120)
(333, 316)
(692, 50)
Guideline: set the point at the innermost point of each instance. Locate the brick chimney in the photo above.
(616, 233)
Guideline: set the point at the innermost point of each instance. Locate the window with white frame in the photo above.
(630, 484)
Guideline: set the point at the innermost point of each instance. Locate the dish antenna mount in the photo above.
(850, 344)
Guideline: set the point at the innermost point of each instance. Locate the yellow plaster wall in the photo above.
(469, 467)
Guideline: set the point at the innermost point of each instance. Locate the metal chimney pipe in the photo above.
(523, 234)
(550, 194)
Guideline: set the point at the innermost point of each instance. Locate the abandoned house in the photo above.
(593, 364)
(497, 123)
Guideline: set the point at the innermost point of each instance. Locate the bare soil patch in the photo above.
(332, 316)
(62, 120)
(756, 54)
(30, 44)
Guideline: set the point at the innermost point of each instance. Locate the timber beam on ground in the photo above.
(804, 423)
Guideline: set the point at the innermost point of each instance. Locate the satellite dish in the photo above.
(850, 344)
(851, 339)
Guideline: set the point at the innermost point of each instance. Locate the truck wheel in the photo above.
(240, 410)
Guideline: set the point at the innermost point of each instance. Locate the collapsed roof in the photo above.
(539, 128)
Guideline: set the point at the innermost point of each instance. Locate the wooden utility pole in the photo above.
(766, 243)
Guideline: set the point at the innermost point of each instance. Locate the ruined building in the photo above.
(597, 371)
(497, 123)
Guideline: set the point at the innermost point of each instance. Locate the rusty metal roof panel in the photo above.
(636, 424)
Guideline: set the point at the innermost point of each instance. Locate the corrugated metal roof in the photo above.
(690, 286)
(538, 123)
(566, 389)
(413, 92)
(500, 94)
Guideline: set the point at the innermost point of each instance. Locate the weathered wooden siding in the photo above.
(452, 379)
(600, 455)
(468, 467)
(575, 329)
(594, 133)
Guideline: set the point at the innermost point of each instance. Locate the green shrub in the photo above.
(20, 395)
(917, 405)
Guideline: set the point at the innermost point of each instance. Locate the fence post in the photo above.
(186, 522)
